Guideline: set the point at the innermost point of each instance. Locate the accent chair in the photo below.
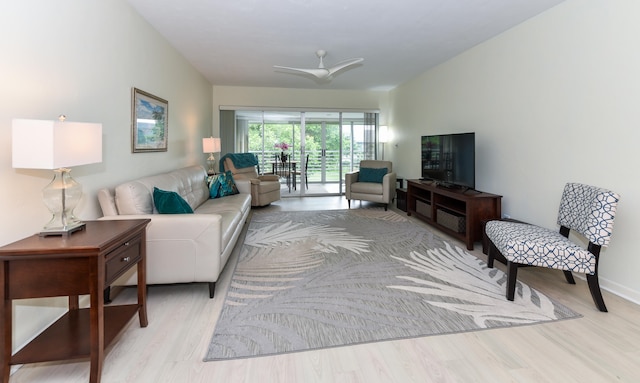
(587, 210)
(375, 182)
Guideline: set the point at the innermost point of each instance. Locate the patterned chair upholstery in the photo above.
(587, 210)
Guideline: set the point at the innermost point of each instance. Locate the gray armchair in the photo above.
(375, 182)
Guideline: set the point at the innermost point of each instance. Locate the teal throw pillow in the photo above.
(168, 202)
(223, 186)
(210, 180)
(372, 175)
(214, 186)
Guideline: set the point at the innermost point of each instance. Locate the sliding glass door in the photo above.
(320, 146)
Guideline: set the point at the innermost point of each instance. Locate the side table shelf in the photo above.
(458, 213)
(68, 337)
(85, 262)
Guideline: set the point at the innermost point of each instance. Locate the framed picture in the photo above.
(149, 122)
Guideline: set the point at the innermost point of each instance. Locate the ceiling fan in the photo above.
(321, 72)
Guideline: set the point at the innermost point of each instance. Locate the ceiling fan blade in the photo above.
(343, 64)
(319, 72)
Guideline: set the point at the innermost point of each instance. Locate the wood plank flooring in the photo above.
(599, 347)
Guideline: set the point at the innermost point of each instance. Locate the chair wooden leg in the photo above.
(596, 294)
(385, 206)
(569, 277)
(512, 273)
(349, 203)
(491, 254)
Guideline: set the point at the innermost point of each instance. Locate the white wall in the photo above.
(297, 98)
(81, 58)
(553, 100)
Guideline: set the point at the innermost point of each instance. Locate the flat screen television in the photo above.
(449, 159)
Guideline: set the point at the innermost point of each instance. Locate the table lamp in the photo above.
(211, 145)
(57, 145)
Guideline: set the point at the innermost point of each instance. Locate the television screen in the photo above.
(449, 159)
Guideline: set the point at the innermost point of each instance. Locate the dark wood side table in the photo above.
(83, 263)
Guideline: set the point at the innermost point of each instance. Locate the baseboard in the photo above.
(615, 288)
(620, 290)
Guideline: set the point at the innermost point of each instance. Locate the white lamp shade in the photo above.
(42, 144)
(211, 145)
(384, 134)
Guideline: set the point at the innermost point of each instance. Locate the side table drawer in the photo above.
(120, 260)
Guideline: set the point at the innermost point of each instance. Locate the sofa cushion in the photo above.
(169, 202)
(238, 203)
(372, 175)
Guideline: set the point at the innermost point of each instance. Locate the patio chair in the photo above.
(297, 173)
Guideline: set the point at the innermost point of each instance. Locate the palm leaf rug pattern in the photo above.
(310, 280)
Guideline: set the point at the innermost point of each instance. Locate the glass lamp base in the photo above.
(61, 196)
(64, 231)
(211, 162)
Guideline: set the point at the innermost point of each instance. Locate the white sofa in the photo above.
(181, 248)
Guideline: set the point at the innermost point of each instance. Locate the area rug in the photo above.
(312, 280)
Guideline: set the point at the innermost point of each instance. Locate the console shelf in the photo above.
(457, 212)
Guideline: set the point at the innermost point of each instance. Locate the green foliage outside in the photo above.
(290, 134)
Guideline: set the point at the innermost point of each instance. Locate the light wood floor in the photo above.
(599, 347)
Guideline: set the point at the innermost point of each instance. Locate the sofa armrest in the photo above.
(389, 186)
(181, 247)
(269, 177)
(350, 178)
(243, 185)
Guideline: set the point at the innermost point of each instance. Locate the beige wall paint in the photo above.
(553, 100)
(81, 58)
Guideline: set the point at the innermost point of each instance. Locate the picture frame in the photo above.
(149, 122)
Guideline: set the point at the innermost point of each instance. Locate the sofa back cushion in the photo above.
(136, 197)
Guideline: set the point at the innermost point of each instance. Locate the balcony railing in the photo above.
(314, 170)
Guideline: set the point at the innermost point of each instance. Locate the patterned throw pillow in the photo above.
(223, 186)
(210, 180)
(169, 202)
(372, 175)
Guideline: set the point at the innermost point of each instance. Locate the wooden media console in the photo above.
(457, 212)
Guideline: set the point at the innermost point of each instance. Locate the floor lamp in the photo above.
(383, 137)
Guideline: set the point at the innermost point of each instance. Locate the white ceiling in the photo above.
(237, 42)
